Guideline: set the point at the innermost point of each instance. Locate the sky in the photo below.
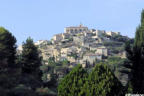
(41, 19)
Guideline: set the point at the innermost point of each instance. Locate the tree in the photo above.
(136, 57)
(31, 61)
(7, 49)
(102, 82)
(9, 72)
(72, 83)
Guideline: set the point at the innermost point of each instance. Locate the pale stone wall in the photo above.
(92, 57)
(102, 51)
(39, 42)
(78, 40)
(65, 35)
(74, 30)
(99, 33)
(88, 34)
(57, 37)
(71, 59)
(112, 33)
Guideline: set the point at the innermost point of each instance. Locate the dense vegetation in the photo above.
(135, 55)
(97, 83)
(20, 75)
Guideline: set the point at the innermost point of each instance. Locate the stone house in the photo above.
(75, 29)
(91, 57)
(56, 53)
(67, 51)
(122, 54)
(71, 59)
(57, 38)
(66, 35)
(99, 33)
(102, 51)
(88, 34)
(78, 40)
(110, 33)
(40, 42)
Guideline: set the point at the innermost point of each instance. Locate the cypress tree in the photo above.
(136, 57)
(72, 83)
(102, 82)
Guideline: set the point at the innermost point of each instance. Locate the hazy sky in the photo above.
(41, 19)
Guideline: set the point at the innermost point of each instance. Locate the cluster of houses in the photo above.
(77, 44)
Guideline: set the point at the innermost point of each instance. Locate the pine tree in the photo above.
(72, 83)
(7, 49)
(8, 69)
(136, 57)
(31, 61)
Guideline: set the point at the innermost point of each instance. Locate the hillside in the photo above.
(80, 45)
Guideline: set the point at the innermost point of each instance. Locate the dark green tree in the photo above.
(135, 55)
(31, 61)
(72, 83)
(8, 68)
(102, 82)
(7, 49)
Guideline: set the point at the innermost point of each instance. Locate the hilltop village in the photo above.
(79, 45)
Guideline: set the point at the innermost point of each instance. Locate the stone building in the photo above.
(40, 42)
(88, 34)
(91, 57)
(75, 29)
(78, 40)
(110, 33)
(65, 35)
(57, 38)
(102, 51)
(99, 33)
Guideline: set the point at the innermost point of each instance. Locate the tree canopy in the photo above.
(100, 82)
(135, 56)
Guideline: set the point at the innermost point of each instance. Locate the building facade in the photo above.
(75, 29)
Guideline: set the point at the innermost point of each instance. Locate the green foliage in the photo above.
(7, 49)
(115, 62)
(112, 43)
(100, 82)
(135, 56)
(74, 55)
(31, 60)
(129, 88)
(12, 82)
(72, 83)
(9, 71)
(120, 38)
